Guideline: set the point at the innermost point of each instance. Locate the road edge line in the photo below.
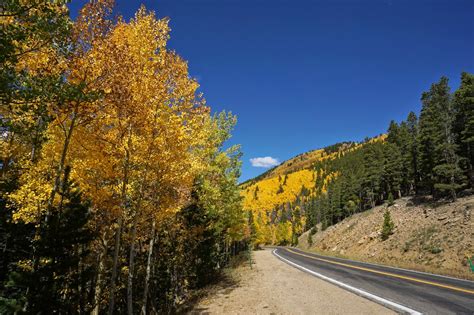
(380, 300)
(388, 267)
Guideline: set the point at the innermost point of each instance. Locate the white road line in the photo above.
(392, 305)
(392, 267)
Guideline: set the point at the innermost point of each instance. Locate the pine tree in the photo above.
(280, 189)
(310, 239)
(56, 280)
(393, 133)
(390, 201)
(403, 145)
(15, 241)
(448, 174)
(392, 172)
(388, 225)
(463, 128)
(255, 193)
(430, 120)
(373, 167)
(411, 154)
(439, 161)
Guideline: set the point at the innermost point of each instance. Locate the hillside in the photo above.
(307, 160)
(283, 183)
(281, 200)
(428, 236)
(430, 154)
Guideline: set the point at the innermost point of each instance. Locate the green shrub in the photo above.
(390, 200)
(388, 225)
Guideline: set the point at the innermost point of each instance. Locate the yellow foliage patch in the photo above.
(271, 192)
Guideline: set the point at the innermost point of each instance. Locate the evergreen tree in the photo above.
(310, 214)
(393, 133)
(439, 161)
(280, 189)
(411, 154)
(310, 239)
(374, 167)
(392, 172)
(15, 241)
(463, 128)
(55, 282)
(390, 201)
(255, 193)
(388, 225)
(202, 242)
(430, 119)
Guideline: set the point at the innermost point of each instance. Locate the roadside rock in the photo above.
(374, 235)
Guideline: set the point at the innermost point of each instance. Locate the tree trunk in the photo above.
(372, 198)
(148, 269)
(81, 286)
(120, 221)
(98, 284)
(453, 191)
(118, 235)
(34, 141)
(60, 168)
(57, 180)
(131, 267)
(218, 245)
(132, 244)
(470, 165)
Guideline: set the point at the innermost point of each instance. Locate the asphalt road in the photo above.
(399, 289)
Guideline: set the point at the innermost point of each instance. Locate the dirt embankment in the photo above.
(428, 236)
(274, 287)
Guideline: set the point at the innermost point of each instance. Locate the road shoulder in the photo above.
(274, 287)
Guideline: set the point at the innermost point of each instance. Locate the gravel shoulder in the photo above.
(273, 287)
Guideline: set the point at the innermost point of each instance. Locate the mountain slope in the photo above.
(285, 182)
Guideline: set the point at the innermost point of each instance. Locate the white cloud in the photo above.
(265, 162)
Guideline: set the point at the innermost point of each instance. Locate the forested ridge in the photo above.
(116, 193)
(426, 154)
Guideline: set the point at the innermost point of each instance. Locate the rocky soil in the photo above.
(428, 236)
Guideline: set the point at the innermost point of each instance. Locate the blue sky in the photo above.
(301, 75)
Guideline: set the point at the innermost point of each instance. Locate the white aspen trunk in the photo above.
(60, 168)
(98, 284)
(148, 269)
(118, 234)
(131, 267)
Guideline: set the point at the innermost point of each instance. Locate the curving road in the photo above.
(402, 290)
